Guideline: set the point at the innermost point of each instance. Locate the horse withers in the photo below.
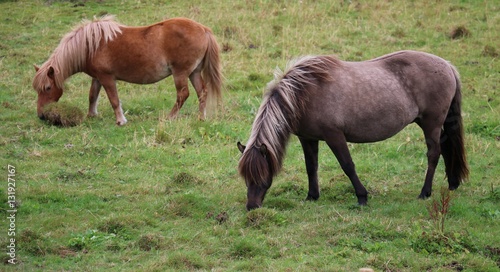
(321, 98)
(108, 51)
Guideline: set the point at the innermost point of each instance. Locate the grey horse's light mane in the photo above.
(72, 52)
(279, 112)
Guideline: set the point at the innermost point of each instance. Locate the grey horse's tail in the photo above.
(452, 140)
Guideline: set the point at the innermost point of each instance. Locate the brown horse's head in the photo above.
(256, 169)
(45, 85)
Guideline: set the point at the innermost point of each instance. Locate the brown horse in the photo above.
(321, 98)
(108, 51)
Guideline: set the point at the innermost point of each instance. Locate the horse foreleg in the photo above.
(310, 148)
(110, 87)
(433, 151)
(199, 86)
(181, 85)
(338, 145)
(95, 88)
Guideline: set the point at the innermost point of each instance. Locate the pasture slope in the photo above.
(160, 195)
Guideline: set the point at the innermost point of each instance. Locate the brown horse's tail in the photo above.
(452, 140)
(212, 72)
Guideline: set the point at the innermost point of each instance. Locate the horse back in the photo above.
(170, 46)
(372, 100)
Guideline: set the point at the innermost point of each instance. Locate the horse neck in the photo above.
(64, 67)
(272, 127)
(285, 103)
(77, 47)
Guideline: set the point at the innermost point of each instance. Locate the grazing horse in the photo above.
(108, 51)
(321, 98)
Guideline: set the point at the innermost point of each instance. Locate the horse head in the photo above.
(256, 169)
(45, 85)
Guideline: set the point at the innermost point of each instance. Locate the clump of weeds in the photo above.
(437, 240)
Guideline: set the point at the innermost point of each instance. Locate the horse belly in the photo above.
(380, 106)
(375, 131)
(361, 122)
(364, 132)
(149, 75)
(144, 72)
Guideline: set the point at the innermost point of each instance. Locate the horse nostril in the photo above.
(41, 116)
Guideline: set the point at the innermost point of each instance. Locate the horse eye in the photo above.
(47, 88)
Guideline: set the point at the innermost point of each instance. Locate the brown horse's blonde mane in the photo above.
(279, 113)
(71, 54)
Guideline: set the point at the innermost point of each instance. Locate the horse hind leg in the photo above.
(432, 136)
(181, 85)
(199, 86)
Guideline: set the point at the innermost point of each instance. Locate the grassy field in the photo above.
(159, 195)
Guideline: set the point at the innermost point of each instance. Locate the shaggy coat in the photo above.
(108, 51)
(325, 99)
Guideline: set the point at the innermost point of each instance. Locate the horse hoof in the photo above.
(311, 198)
(424, 196)
(172, 116)
(453, 187)
(362, 200)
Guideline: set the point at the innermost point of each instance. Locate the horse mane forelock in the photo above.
(279, 113)
(75, 47)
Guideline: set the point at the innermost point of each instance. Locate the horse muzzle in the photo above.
(253, 206)
(255, 196)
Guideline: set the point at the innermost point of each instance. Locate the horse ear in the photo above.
(50, 73)
(263, 150)
(241, 147)
(36, 67)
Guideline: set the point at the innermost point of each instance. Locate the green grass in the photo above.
(159, 195)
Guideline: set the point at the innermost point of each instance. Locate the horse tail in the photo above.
(452, 140)
(212, 71)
